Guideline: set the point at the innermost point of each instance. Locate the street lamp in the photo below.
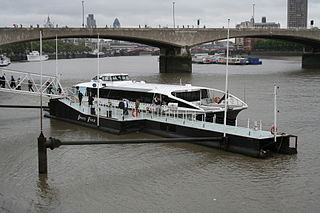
(174, 21)
(82, 14)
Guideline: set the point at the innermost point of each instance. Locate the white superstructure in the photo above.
(116, 87)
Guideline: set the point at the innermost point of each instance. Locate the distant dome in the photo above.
(116, 23)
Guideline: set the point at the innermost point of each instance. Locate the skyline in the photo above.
(152, 13)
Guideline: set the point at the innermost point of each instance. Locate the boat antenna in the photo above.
(226, 88)
(275, 112)
(56, 55)
(57, 61)
(98, 93)
(41, 110)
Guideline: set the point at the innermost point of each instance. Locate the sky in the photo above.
(132, 13)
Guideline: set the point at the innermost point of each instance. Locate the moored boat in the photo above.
(4, 61)
(233, 61)
(205, 103)
(95, 53)
(35, 56)
(165, 110)
(204, 59)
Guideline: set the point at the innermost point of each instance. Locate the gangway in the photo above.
(28, 83)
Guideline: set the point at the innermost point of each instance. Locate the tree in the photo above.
(48, 46)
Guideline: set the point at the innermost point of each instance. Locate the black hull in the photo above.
(259, 148)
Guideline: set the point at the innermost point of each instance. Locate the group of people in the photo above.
(13, 84)
(90, 100)
(124, 104)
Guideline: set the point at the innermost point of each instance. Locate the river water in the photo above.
(165, 177)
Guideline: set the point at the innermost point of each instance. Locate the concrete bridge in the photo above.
(175, 43)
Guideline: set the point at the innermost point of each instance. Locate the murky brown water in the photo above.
(165, 178)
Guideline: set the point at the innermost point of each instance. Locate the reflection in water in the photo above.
(43, 186)
(47, 198)
(165, 177)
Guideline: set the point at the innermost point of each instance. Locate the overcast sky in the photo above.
(131, 13)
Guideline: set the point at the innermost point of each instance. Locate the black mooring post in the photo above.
(42, 154)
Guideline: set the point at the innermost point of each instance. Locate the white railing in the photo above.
(15, 81)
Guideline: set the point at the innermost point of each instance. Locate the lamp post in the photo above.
(174, 21)
(82, 14)
(253, 5)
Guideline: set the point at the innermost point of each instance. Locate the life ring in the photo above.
(216, 99)
(273, 130)
(135, 113)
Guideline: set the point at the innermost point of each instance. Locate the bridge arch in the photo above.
(174, 43)
(293, 36)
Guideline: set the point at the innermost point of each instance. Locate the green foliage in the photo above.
(48, 46)
(276, 45)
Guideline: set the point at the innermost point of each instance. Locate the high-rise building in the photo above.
(116, 23)
(48, 23)
(91, 22)
(297, 13)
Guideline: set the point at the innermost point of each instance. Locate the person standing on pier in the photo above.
(12, 82)
(90, 102)
(126, 106)
(157, 103)
(18, 83)
(30, 84)
(137, 105)
(3, 81)
(80, 95)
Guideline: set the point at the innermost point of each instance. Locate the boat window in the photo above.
(204, 93)
(188, 96)
(83, 90)
(125, 77)
(133, 96)
(116, 78)
(95, 78)
(106, 78)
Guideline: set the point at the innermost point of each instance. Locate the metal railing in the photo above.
(21, 82)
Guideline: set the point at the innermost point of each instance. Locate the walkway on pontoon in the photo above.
(30, 83)
(187, 119)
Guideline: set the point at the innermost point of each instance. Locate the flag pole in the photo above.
(41, 111)
(98, 93)
(226, 88)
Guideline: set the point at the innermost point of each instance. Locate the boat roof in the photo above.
(139, 86)
(112, 74)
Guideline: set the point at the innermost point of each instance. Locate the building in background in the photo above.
(48, 23)
(247, 43)
(297, 13)
(91, 22)
(116, 23)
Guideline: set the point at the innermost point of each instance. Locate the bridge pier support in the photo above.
(311, 60)
(175, 60)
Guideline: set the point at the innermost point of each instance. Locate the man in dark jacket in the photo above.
(80, 95)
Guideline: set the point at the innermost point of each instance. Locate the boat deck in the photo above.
(169, 117)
